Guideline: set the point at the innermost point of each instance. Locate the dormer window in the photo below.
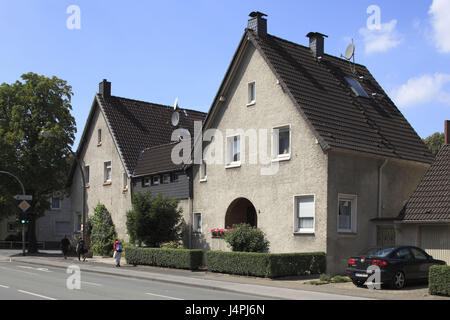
(356, 87)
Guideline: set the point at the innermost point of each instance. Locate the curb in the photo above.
(200, 286)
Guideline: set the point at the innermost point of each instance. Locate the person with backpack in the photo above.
(118, 247)
(81, 250)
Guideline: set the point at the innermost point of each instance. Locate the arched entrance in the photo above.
(241, 210)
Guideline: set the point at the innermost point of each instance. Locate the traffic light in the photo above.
(24, 217)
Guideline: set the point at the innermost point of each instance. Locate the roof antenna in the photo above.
(349, 55)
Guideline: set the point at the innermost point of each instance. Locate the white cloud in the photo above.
(424, 89)
(440, 21)
(381, 39)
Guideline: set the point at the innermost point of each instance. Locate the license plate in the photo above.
(361, 275)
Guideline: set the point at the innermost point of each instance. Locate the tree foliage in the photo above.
(435, 142)
(245, 238)
(154, 220)
(27, 108)
(102, 231)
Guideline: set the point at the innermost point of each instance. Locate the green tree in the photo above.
(434, 142)
(245, 238)
(26, 108)
(102, 231)
(154, 220)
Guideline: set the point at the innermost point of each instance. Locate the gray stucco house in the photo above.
(119, 139)
(342, 159)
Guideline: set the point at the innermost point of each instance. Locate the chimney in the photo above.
(316, 43)
(104, 88)
(258, 24)
(447, 138)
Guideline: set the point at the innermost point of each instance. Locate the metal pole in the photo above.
(23, 224)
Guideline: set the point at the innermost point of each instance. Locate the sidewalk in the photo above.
(286, 288)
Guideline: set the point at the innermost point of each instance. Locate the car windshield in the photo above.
(382, 253)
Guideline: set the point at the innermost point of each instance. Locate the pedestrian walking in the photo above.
(117, 252)
(65, 246)
(81, 250)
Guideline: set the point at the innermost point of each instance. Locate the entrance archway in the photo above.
(241, 210)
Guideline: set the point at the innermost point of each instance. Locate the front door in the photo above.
(385, 237)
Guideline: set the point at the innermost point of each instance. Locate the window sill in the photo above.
(203, 180)
(87, 186)
(282, 158)
(125, 190)
(99, 144)
(347, 233)
(107, 183)
(304, 232)
(233, 165)
(251, 103)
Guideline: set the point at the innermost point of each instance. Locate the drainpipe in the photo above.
(380, 180)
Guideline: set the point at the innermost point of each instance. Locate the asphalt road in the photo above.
(19, 281)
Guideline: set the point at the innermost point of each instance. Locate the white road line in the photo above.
(92, 283)
(9, 269)
(161, 296)
(36, 295)
(6, 287)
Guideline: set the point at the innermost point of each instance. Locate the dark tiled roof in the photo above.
(338, 117)
(157, 160)
(137, 125)
(431, 200)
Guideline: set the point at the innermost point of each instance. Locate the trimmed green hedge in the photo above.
(266, 265)
(439, 280)
(161, 257)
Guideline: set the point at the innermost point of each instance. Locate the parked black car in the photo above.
(397, 266)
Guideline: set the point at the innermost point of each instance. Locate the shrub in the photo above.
(245, 238)
(162, 257)
(154, 220)
(325, 277)
(439, 280)
(172, 245)
(266, 264)
(103, 233)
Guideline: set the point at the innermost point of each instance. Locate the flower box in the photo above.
(219, 233)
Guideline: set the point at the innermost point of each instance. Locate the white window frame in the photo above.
(251, 93)
(354, 213)
(87, 174)
(203, 171)
(146, 182)
(77, 222)
(194, 224)
(125, 181)
(107, 167)
(297, 229)
(276, 142)
(230, 163)
(153, 180)
(51, 204)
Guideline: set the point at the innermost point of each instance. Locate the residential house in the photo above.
(425, 221)
(117, 132)
(343, 158)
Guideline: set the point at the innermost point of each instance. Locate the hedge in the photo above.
(266, 265)
(439, 280)
(162, 257)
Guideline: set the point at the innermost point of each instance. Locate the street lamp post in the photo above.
(23, 193)
(83, 181)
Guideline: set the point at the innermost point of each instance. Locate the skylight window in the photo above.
(356, 87)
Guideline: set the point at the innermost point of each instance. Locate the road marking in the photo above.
(92, 283)
(161, 296)
(9, 269)
(36, 295)
(32, 268)
(6, 287)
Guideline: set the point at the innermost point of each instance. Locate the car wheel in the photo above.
(358, 283)
(399, 280)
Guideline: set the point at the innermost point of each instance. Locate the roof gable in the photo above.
(325, 100)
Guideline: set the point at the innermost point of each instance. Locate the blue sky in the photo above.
(159, 50)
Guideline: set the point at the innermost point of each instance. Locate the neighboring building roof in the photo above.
(431, 200)
(137, 125)
(324, 98)
(156, 159)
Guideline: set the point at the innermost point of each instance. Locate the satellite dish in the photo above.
(350, 51)
(175, 118)
(175, 105)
